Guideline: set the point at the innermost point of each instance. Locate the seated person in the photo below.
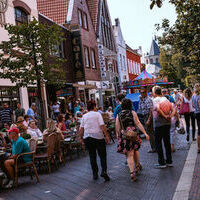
(68, 121)
(26, 120)
(19, 145)
(110, 112)
(61, 123)
(51, 128)
(100, 110)
(22, 128)
(34, 131)
(5, 128)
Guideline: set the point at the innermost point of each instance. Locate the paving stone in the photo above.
(74, 180)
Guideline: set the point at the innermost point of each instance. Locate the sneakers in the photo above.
(105, 176)
(9, 185)
(169, 165)
(158, 166)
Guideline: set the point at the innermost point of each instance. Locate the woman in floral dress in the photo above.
(128, 119)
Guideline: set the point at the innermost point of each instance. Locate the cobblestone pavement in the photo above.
(74, 180)
(195, 189)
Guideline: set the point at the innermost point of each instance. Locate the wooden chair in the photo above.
(49, 153)
(30, 165)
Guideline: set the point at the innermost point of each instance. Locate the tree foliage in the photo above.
(183, 38)
(27, 56)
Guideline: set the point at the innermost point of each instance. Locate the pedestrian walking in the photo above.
(128, 120)
(19, 112)
(145, 116)
(56, 110)
(196, 104)
(6, 114)
(189, 116)
(118, 108)
(92, 130)
(162, 124)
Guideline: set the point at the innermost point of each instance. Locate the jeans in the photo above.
(163, 133)
(187, 121)
(94, 145)
(197, 115)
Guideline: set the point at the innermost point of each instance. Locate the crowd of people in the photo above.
(158, 117)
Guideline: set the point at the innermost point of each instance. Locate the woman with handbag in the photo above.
(129, 140)
(196, 104)
(187, 110)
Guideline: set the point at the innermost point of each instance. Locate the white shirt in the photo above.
(56, 108)
(190, 104)
(92, 122)
(26, 123)
(35, 133)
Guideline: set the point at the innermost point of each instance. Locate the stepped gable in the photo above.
(54, 9)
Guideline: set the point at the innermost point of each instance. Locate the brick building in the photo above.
(101, 20)
(74, 14)
(133, 63)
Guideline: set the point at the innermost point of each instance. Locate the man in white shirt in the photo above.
(92, 130)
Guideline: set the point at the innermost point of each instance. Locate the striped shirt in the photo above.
(5, 115)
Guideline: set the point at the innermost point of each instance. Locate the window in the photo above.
(157, 60)
(151, 61)
(58, 50)
(147, 61)
(124, 63)
(80, 18)
(20, 16)
(86, 54)
(121, 62)
(93, 59)
(131, 67)
(85, 22)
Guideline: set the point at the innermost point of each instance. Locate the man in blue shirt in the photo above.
(31, 112)
(118, 108)
(19, 146)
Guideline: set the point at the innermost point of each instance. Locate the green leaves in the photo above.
(183, 37)
(27, 56)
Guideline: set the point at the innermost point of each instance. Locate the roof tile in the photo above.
(54, 9)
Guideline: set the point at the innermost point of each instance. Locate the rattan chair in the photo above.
(30, 165)
(49, 153)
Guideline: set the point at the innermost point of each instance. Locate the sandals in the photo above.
(138, 169)
(133, 178)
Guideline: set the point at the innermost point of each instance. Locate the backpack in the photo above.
(128, 131)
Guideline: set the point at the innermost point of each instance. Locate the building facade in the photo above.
(152, 59)
(74, 14)
(121, 53)
(15, 12)
(133, 63)
(101, 20)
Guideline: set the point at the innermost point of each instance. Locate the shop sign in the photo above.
(105, 84)
(79, 74)
(102, 61)
(64, 92)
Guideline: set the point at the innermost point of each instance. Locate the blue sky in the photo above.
(137, 20)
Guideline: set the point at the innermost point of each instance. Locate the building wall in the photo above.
(121, 52)
(88, 39)
(30, 6)
(133, 69)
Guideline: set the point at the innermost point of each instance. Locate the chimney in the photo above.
(117, 22)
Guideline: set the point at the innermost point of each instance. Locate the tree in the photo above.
(28, 57)
(183, 38)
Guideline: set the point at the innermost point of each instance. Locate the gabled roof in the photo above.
(154, 51)
(128, 48)
(54, 9)
(93, 6)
